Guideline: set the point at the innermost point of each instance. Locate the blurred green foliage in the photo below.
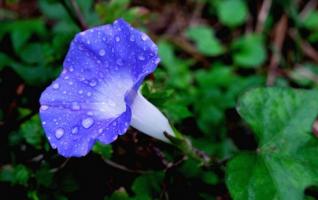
(212, 52)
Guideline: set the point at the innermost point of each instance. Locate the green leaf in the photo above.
(103, 150)
(119, 194)
(209, 178)
(205, 40)
(249, 51)
(178, 69)
(22, 30)
(33, 132)
(34, 75)
(16, 175)
(32, 53)
(44, 177)
(311, 20)
(232, 12)
(285, 162)
(4, 60)
(148, 184)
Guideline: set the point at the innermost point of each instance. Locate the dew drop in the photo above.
(87, 122)
(66, 77)
(80, 92)
(144, 37)
(100, 130)
(157, 61)
(44, 122)
(132, 38)
(70, 83)
(44, 107)
(117, 39)
(111, 103)
(93, 83)
(102, 52)
(76, 106)
(75, 130)
(119, 62)
(56, 86)
(89, 94)
(59, 133)
(141, 57)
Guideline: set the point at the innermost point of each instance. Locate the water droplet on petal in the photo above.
(119, 62)
(70, 82)
(44, 122)
(117, 39)
(75, 130)
(89, 94)
(102, 52)
(44, 107)
(111, 103)
(87, 122)
(100, 130)
(56, 86)
(93, 83)
(59, 133)
(144, 37)
(157, 61)
(80, 92)
(132, 38)
(76, 106)
(141, 57)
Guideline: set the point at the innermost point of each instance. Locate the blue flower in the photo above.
(96, 96)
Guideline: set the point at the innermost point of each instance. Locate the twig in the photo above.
(77, 17)
(188, 48)
(60, 167)
(263, 13)
(197, 11)
(122, 167)
(311, 5)
(279, 37)
(308, 50)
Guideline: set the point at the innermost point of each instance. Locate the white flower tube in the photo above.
(149, 120)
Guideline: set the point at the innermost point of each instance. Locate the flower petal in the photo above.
(91, 99)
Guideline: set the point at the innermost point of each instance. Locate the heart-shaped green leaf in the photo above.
(285, 162)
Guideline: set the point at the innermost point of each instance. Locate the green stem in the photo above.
(185, 145)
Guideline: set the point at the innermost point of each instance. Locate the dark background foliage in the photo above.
(212, 51)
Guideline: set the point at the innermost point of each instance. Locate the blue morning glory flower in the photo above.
(96, 96)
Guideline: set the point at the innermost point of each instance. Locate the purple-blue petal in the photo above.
(91, 98)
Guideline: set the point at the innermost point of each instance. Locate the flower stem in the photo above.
(185, 145)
